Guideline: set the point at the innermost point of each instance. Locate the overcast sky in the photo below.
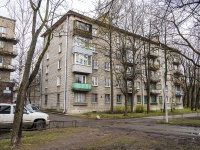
(78, 5)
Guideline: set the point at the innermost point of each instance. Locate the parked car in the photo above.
(33, 107)
(31, 119)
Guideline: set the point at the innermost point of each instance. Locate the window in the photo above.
(82, 59)
(5, 109)
(94, 81)
(107, 52)
(118, 54)
(166, 88)
(106, 36)
(128, 42)
(59, 64)
(117, 68)
(178, 88)
(45, 99)
(46, 84)
(94, 64)
(47, 55)
(137, 85)
(145, 85)
(80, 98)
(107, 66)
(145, 99)
(80, 78)
(107, 98)
(118, 83)
(160, 100)
(1, 60)
(60, 48)
(117, 39)
(138, 99)
(94, 98)
(119, 98)
(2, 30)
(58, 80)
(167, 100)
(107, 82)
(129, 84)
(129, 70)
(129, 56)
(47, 69)
(94, 31)
(153, 99)
(2, 44)
(58, 99)
(82, 26)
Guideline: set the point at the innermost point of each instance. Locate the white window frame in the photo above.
(58, 80)
(117, 39)
(107, 66)
(82, 59)
(117, 68)
(80, 98)
(94, 81)
(106, 36)
(107, 98)
(46, 83)
(94, 64)
(2, 44)
(137, 85)
(2, 29)
(59, 64)
(119, 99)
(47, 69)
(47, 55)
(94, 31)
(60, 48)
(117, 83)
(107, 82)
(94, 98)
(80, 78)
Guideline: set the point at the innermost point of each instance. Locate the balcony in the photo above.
(176, 61)
(81, 87)
(13, 54)
(82, 50)
(135, 91)
(178, 82)
(154, 78)
(178, 72)
(154, 91)
(179, 93)
(153, 54)
(4, 37)
(82, 33)
(154, 67)
(81, 69)
(7, 67)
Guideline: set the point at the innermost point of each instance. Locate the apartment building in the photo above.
(7, 53)
(76, 70)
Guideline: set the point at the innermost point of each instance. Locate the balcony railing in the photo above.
(179, 93)
(155, 91)
(178, 82)
(81, 87)
(9, 53)
(4, 37)
(7, 67)
(178, 72)
(154, 78)
(154, 67)
(83, 33)
(81, 69)
(82, 50)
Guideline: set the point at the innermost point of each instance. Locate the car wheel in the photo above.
(40, 125)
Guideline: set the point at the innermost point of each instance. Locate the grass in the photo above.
(193, 121)
(31, 139)
(136, 115)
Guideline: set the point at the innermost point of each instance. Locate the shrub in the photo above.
(139, 109)
(120, 109)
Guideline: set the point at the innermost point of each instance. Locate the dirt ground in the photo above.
(108, 138)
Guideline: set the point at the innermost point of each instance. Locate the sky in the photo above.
(76, 5)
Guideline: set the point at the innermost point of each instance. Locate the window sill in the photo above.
(153, 103)
(94, 102)
(95, 85)
(119, 103)
(79, 104)
(107, 86)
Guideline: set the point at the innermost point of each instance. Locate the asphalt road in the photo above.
(144, 124)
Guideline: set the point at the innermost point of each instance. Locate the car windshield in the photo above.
(29, 108)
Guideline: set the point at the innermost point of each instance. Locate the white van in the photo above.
(31, 119)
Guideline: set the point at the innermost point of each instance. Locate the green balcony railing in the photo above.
(81, 87)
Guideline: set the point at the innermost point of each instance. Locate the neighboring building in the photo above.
(77, 65)
(7, 40)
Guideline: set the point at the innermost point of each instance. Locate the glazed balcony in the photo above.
(81, 87)
(153, 54)
(7, 67)
(155, 91)
(77, 68)
(154, 67)
(178, 72)
(82, 50)
(155, 78)
(13, 54)
(179, 93)
(178, 82)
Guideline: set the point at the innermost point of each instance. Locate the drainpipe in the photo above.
(65, 76)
